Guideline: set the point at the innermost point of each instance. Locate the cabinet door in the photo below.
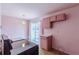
(46, 23)
(61, 17)
(43, 43)
(52, 18)
(49, 42)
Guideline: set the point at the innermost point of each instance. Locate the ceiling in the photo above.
(32, 10)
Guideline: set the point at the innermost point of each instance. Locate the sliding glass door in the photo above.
(35, 32)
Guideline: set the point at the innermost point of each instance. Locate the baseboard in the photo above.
(60, 52)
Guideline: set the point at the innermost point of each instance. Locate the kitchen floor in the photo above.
(53, 52)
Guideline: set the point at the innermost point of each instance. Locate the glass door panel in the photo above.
(35, 32)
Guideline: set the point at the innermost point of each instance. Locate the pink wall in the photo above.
(0, 25)
(66, 33)
(14, 28)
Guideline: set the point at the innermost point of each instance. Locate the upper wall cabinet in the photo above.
(52, 18)
(60, 17)
(46, 23)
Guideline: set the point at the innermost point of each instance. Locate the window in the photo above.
(35, 32)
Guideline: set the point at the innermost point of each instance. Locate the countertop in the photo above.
(20, 49)
(46, 35)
